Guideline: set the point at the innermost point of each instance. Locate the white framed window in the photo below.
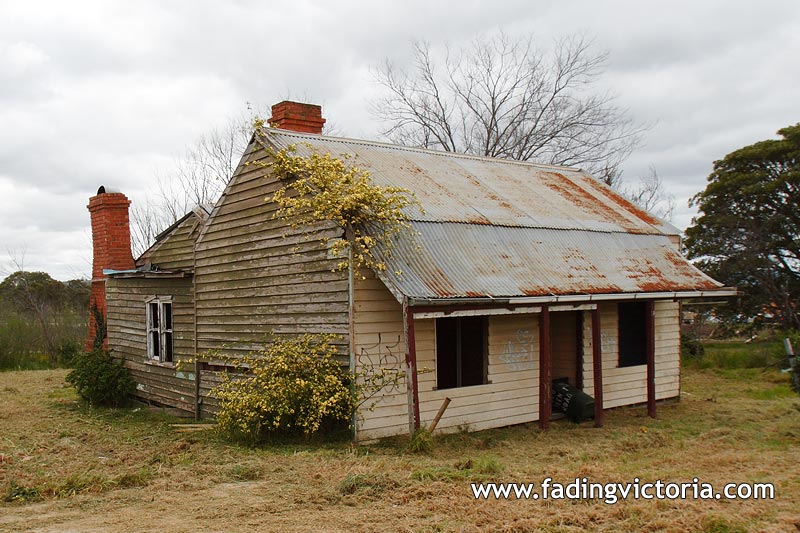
(159, 329)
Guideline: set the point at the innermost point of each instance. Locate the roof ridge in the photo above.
(541, 226)
(404, 148)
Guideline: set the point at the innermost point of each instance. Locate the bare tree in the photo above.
(650, 195)
(505, 97)
(198, 177)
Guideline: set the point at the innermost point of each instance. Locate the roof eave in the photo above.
(578, 298)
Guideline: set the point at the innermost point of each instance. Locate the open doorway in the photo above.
(566, 341)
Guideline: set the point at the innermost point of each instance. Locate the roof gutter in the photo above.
(121, 274)
(578, 298)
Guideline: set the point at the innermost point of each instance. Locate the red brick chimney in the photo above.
(111, 244)
(305, 118)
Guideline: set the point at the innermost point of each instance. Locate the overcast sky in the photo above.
(110, 93)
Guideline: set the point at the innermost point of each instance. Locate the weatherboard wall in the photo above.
(174, 251)
(628, 385)
(256, 275)
(160, 383)
(511, 394)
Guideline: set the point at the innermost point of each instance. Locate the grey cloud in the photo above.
(100, 92)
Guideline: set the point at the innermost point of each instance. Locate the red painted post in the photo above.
(545, 371)
(411, 365)
(650, 331)
(579, 350)
(597, 369)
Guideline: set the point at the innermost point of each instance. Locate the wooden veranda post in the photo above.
(597, 369)
(545, 371)
(412, 387)
(650, 333)
(579, 350)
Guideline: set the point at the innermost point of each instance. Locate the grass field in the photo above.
(737, 354)
(67, 468)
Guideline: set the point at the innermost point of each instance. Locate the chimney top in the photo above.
(111, 236)
(296, 116)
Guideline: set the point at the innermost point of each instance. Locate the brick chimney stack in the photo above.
(111, 244)
(295, 116)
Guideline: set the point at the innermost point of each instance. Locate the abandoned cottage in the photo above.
(517, 275)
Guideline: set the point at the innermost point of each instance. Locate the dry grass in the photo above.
(64, 467)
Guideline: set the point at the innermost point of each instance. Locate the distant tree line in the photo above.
(42, 320)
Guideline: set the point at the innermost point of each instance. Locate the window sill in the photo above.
(155, 362)
(463, 386)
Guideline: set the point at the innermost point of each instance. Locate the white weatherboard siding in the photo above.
(511, 396)
(628, 385)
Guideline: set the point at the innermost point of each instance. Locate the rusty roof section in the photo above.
(494, 228)
(480, 190)
(463, 260)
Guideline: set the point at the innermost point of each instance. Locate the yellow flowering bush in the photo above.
(290, 387)
(323, 187)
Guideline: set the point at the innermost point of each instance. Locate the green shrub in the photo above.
(68, 352)
(100, 379)
(421, 442)
(691, 345)
(289, 388)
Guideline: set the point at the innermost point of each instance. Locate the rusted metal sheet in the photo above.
(493, 228)
(446, 260)
(485, 191)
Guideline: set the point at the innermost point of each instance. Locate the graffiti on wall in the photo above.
(608, 342)
(370, 359)
(518, 352)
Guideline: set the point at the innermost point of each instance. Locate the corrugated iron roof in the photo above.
(480, 190)
(494, 228)
(476, 261)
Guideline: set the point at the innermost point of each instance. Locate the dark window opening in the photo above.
(632, 333)
(168, 347)
(167, 316)
(154, 315)
(155, 342)
(460, 352)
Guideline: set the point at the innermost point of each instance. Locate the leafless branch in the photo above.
(505, 97)
(650, 195)
(198, 177)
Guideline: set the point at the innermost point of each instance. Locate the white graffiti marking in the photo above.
(518, 352)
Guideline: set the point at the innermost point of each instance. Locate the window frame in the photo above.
(458, 359)
(164, 329)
